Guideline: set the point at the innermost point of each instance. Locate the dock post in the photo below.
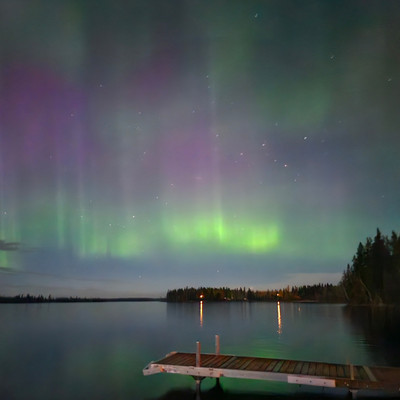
(217, 353)
(198, 365)
(217, 345)
(198, 395)
(353, 393)
(198, 355)
(352, 372)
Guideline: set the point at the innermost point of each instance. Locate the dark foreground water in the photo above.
(98, 350)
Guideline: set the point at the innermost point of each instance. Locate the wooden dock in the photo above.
(348, 376)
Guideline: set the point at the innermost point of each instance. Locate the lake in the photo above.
(98, 350)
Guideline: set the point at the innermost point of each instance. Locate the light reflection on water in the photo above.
(98, 350)
(278, 307)
(201, 313)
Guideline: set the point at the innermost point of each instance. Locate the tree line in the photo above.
(27, 298)
(374, 274)
(313, 293)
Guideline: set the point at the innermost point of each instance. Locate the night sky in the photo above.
(152, 144)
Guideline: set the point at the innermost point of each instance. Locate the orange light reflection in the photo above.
(201, 313)
(279, 318)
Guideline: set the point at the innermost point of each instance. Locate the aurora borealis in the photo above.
(148, 145)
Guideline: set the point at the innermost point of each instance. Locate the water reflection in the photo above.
(278, 305)
(201, 313)
(378, 329)
(68, 351)
(217, 393)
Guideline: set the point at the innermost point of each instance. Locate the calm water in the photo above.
(98, 350)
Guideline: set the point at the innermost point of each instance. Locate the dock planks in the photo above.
(352, 377)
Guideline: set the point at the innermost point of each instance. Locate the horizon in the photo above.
(153, 145)
(158, 297)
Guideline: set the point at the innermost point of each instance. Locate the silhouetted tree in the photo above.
(374, 276)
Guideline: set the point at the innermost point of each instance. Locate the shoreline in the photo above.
(48, 300)
(13, 300)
